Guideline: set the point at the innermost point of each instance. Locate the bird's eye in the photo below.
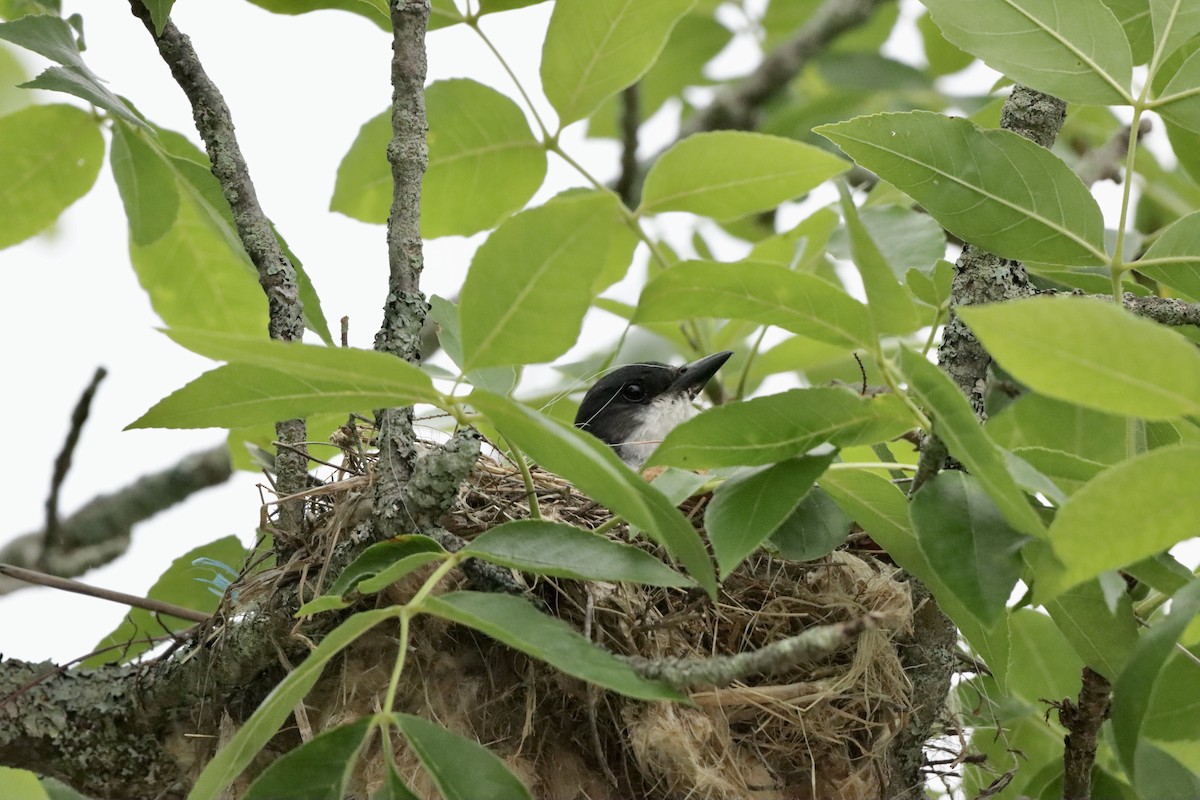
(634, 392)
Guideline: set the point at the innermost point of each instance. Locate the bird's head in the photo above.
(634, 407)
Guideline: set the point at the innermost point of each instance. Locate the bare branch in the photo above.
(62, 464)
(1106, 162)
(276, 273)
(736, 107)
(631, 120)
(99, 531)
(405, 309)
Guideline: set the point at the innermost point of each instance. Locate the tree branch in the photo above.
(276, 273)
(1106, 162)
(1164, 310)
(821, 640)
(405, 310)
(99, 531)
(1083, 723)
(736, 107)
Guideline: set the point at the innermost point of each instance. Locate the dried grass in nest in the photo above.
(817, 731)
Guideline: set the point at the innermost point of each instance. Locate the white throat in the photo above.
(657, 420)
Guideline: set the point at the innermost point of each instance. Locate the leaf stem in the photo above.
(886, 465)
(389, 702)
(473, 24)
(530, 492)
(888, 370)
(745, 373)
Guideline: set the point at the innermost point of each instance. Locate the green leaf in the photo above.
(444, 314)
(146, 184)
(802, 248)
(1174, 257)
(781, 426)
(395, 788)
(185, 583)
(889, 303)
(47, 35)
(221, 291)
(955, 423)
(484, 162)
(564, 551)
(335, 364)
(814, 530)
(993, 188)
(272, 380)
(1129, 512)
(242, 395)
(882, 510)
(695, 40)
(905, 238)
(320, 767)
(1073, 49)
(1179, 101)
(1174, 22)
(461, 769)
(1093, 354)
(83, 84)
(1104, 638)
(747, 509)
(531, 282)
(968, 542)
(764, 293)
(596, 471)
(1174, 712)
(377, 564)
(1069, 472)
(1133, 689)
(49, 158)
(595, 48)
(159, 10)
(237, 754)
(363, 188)
(1036, 421)
(1046, 666)
(21, 784)
(943, 57)
(374, 10)
(1134, 16)
(728, 174)
(516, 623)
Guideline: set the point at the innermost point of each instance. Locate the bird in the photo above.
(635, 406)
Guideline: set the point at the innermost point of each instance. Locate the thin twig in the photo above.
(68, 585)
(62, 464)
(631, 118)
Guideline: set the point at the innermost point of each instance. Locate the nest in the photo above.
(818, 730)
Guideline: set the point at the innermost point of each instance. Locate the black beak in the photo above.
(693, 376)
